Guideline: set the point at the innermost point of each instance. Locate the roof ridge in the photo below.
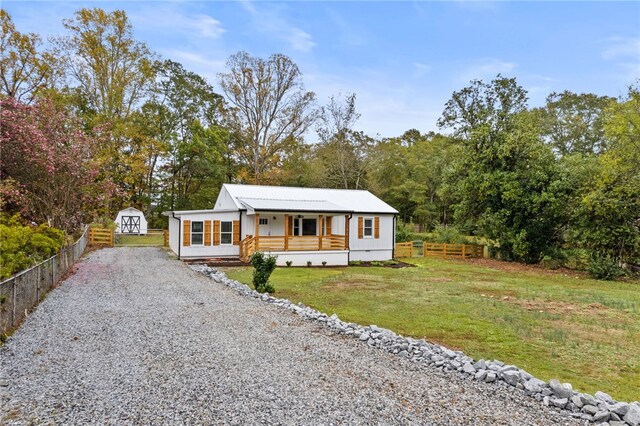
(296, 187)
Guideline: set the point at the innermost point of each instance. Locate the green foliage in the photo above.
(603, 267)
(104, 222)
(289, 263)
(263, 266)
(309, 263)
(444, 234)
(508, 181)
(404, 233)
(22, 246)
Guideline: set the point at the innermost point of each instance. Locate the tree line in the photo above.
(94, 121)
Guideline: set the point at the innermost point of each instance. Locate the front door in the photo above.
(130, 225)
(264, 226)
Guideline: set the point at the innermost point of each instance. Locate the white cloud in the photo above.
(206, 25)
(487, 69)
(622, 47)
(269, 21)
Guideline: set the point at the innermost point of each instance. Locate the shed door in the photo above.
(130, 225)
(264, 226)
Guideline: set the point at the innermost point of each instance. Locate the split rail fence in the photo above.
(20, 293)
(464, 251)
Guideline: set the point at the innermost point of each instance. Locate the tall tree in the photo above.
(509, 183)
(608, 217)
(573, 123)
(198, 159)
(47, 168)
(25, 69)
(270, 108)
(342, 151)
(101, 56)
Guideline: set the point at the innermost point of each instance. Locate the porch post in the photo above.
(257, 219)
(286, 232)
(320, 233)
(346, 232)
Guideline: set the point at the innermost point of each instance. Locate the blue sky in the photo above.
(402, 59)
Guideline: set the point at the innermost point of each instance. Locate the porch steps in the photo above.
(217, 261)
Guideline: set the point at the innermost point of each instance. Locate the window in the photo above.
(264, 221)
(296, 227)
(226, 232)
(368, 227)
(309, 227)
(197, 233)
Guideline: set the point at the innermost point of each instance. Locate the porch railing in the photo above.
(251, 244)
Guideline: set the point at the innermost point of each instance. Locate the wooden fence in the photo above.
(415, 248)
(464, 251)
(101, 236)
(20, 293)
(404, 249)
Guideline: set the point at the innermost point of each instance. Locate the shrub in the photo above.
(309, 263)
(603, 267)
(289, 262)
(22, 246)
(263, 266)
(448, 235)
(324, 263)
(403, 233)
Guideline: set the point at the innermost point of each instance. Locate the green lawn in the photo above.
(578, 330)
(151, 239)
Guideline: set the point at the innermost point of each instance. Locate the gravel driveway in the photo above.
(135, 337)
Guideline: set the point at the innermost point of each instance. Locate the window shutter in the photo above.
(376, 227)
(207, 232)
(236, 232)
(360, 228)
(329, 220)
(186, 233)
(216, 232)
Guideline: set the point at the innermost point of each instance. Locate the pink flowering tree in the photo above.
(47, 168)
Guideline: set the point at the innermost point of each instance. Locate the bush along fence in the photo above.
(20, 293)
(598, 408)
(463, 251)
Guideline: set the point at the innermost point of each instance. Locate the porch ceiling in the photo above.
(320, 206)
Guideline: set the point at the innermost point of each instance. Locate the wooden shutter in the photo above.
(216, 232)
(186, 233)
(236, 232)
(329, 220)
(376, 227)
(360, 228)
(207, 232)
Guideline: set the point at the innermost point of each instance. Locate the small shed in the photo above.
(131, 221)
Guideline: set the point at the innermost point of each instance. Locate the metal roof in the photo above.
(286, 198)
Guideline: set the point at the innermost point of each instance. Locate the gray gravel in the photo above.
(135, 337)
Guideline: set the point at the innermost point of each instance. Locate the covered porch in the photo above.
(287, 232)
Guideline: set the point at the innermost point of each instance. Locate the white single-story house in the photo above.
(131, 221)
(298, 225)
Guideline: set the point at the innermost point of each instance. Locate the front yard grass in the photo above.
(553, 325)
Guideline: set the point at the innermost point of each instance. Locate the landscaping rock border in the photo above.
(600, 408)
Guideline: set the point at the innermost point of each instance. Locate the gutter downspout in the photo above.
(393, 241)
(179, 232)
(349, 251)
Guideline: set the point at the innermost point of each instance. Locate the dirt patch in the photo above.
(502, 265)
(494, 293)
(389, 264)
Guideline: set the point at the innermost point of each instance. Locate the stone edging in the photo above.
(600, 408)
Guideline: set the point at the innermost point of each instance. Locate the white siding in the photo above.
(300, 258)
(372, 248)
(174, 229)
(195, 251)
(225, 201)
